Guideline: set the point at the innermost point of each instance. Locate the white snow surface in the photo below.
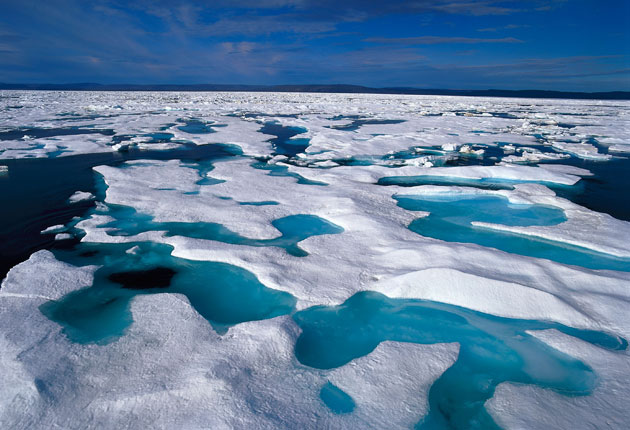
(80, 196)
(171, 370)
(427, 121)
(526, 407)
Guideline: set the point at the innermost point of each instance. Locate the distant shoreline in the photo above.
(339, 88)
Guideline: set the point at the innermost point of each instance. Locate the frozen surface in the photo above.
(338, 126)
(309, 208)
(517, 407)
(179, 372)
(80, 196)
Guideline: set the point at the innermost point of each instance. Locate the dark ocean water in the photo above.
(608, 190)
(34, 194)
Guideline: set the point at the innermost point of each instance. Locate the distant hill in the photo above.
(314, 88)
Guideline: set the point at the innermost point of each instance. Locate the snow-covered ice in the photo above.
(80, 196)
(171, 368)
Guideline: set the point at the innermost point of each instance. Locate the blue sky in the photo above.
(581, 45)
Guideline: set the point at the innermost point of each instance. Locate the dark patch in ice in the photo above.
(283, 143)
(223, 294)
(196, 126)
(505, 115)
(262, 115)
(160, 137)
(478, 113)
(336, 399)
(276, 170)
(358, 121)
(36, 133)
(160, 277)
(261, 203)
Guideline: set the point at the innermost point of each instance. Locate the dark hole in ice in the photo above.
(283, 143)
(336, 399)
(160, 277)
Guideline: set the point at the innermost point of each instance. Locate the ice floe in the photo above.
(517, 406)
(338, 126)
(80, 196)
(171, 367)
(178, 372)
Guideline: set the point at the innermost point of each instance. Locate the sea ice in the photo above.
(517, 406)
(80, 196)
(171, 368)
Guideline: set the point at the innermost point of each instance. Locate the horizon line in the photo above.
(318, 88)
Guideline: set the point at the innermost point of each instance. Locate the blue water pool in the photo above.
(223, 294)
(483, 183)
(293, 229)
(277, 170)
(38, 133)
(336, 399)
(451, 216)
(492, 350)
(284, 143)
(357, 122)
(196, 126)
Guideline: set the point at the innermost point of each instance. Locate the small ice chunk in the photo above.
(509, 149)
(80, 196)
(420, 161)
(101, 207)
(121, 147)
(63, 236)
(277, 158)
(582, 150)
(4, 170)
(133, 250)
(54, 229)
(618, 148)
(327, 163)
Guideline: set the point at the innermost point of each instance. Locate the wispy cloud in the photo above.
(296, 41)
(5, 48)
(438, 40)
(249, 17)
(476, 8)
(505, 27)
(539, 69)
